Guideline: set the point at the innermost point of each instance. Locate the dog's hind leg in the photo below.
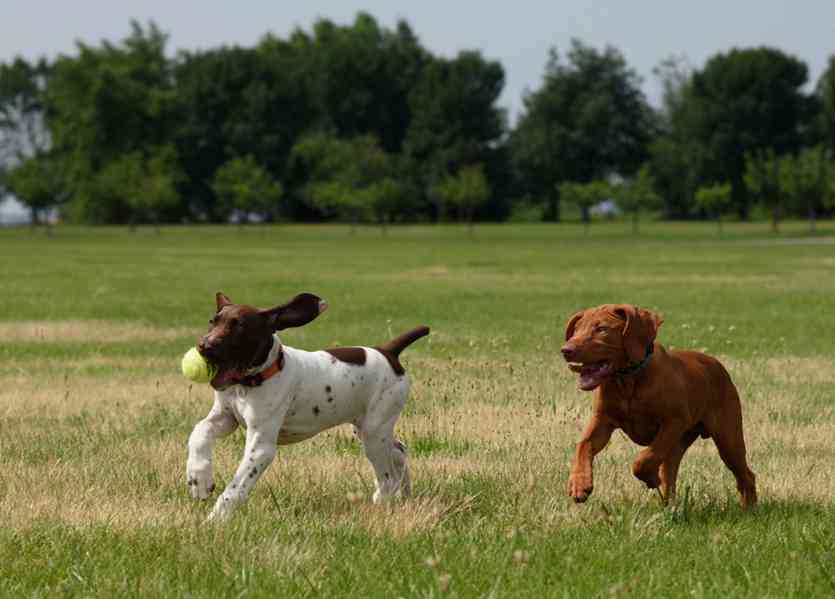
(668, 471)
(729, 440)
(386, 454)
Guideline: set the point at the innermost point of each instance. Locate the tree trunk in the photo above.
(719, 224)
(775, 219)
(585, 211)
(470, 229)
(552, 208)
(635, 222)
(812, 215)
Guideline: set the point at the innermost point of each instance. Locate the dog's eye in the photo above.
(234, 323)
(601, 328)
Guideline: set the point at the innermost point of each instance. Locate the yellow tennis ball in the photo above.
(196, 368)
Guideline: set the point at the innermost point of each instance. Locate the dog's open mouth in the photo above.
(591, 375)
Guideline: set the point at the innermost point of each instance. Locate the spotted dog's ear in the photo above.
(572, 324)
(640, 330)
(221, 300)
(297, 312)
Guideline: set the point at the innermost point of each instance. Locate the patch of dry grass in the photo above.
(84, 331)
(85, 451)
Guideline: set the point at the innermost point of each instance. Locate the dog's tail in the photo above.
(391, 349)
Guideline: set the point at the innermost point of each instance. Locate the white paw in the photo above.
(222, 510)
(200, 480)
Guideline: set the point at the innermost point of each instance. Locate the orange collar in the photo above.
(255, 380)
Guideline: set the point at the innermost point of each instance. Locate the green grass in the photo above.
(94, 416)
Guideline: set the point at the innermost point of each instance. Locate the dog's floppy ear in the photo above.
(572, 323)
(639, 332)
(221, 300)
(297, 312)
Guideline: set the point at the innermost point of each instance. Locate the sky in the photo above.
(518, 33)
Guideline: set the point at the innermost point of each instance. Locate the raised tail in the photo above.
(391, 349)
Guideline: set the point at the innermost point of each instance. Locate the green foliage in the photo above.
(676, 158)
(107, 109)
(242, 185)
(353, 179)
(585, 195)
(715, 200)
(638, 194)
(455, 121)
(464, 191)
(37, 183)
(806, 180)
(23, 130)
(745, 102)
(825, 95)
(763, 181)
(138, 187)
(589, 119)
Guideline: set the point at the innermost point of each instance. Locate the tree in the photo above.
(352, 179)
(762, 179)
(37, 182)
(105, 104)
(243, 186)
(806, 180)
(676, 160)
(455, 118)
(140, 186)
(588, 120)
(746, 102)
(23, 131)
(465, 191)
(638, 194)
(585, 196)
(715, 200)
(31, 167)
(825, 93)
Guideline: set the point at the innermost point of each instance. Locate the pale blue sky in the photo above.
(517, 33)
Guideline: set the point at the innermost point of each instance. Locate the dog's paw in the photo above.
(222, 510)
(579, 487)
(200, 480)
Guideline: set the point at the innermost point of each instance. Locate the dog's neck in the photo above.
(271, 356)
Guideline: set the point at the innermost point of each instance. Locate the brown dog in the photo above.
(661, 399)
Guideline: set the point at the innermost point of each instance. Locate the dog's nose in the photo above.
(568, 351)
(204, 345)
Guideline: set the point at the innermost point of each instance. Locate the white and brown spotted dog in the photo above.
(284, 395)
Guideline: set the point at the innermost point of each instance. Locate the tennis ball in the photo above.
(196, 368)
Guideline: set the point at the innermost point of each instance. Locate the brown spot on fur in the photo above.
(315, 410)
(349, 355)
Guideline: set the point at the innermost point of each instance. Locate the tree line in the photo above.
(362, 123)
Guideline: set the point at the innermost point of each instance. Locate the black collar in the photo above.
(637, 367)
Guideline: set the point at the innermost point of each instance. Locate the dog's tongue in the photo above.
(591, 375)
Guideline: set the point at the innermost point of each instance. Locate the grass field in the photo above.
(94, 415)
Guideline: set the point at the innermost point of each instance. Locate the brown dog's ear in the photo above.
(297, 312)
(221, 300)
(639, 332)
(572, 323)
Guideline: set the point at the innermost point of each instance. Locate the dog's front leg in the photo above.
(665, 442)
(595, 437)
(259, 453)
(199, 476)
